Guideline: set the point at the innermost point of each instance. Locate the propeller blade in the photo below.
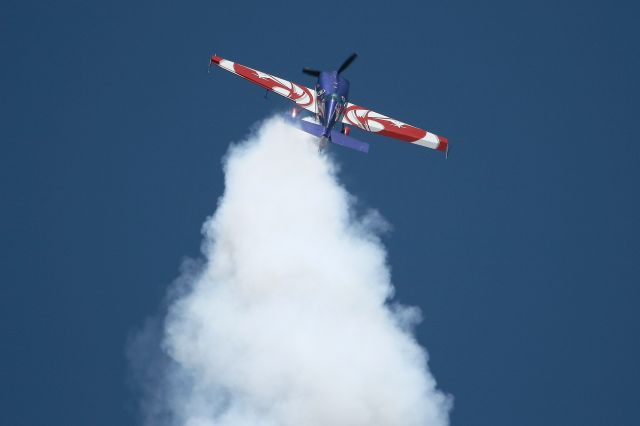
(310, 71)
(347, 62)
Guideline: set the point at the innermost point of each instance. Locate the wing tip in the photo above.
(443, 144)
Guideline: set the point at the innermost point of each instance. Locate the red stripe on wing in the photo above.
(269, 82)
(371, 121)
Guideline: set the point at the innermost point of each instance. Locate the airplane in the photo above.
(329, 103)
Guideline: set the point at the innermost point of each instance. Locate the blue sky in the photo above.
(521, 249)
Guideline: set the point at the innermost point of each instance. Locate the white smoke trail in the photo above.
(286, 322)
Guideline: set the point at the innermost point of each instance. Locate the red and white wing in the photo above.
(372, 121)
(301, 95)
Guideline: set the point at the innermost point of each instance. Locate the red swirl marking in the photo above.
(390, 127)
(295, 93)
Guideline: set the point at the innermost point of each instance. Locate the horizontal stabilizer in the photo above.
(336, 137)
(309, 127)
(353, 143)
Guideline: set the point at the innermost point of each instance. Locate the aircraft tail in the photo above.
(349, 142)
(336, 137)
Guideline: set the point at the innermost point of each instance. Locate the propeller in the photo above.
(344, 66)
(310, 71)
(347, 62)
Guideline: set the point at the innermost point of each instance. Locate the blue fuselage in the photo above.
(333, 93)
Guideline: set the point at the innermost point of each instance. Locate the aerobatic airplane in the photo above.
(329, 103)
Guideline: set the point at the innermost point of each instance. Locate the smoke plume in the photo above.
(286, 321)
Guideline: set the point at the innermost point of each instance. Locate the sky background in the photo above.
(521, 249)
